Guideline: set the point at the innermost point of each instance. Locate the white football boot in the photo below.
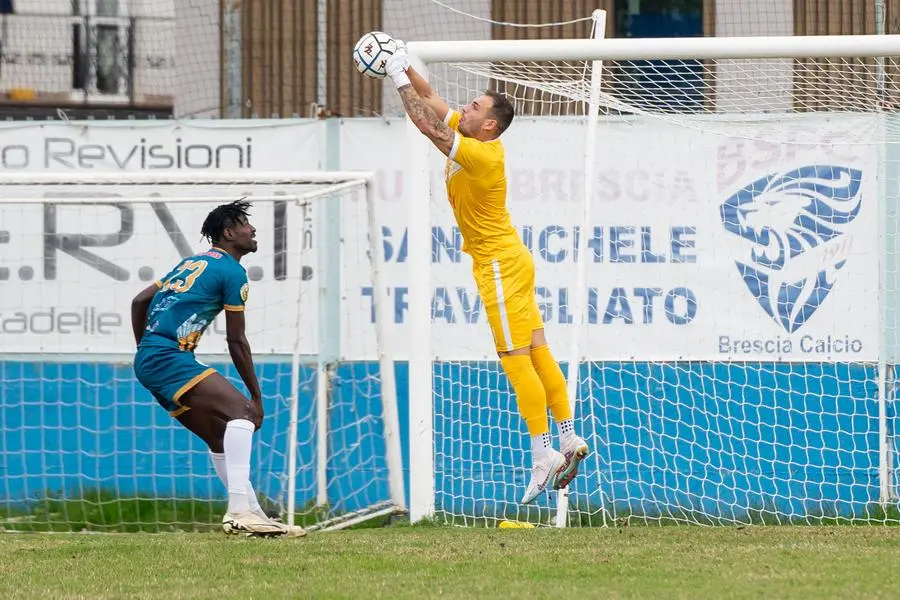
(575, 449)
(544, 474)
(251, 524)
(293, 530)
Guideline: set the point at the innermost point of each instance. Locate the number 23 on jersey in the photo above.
(187, 273)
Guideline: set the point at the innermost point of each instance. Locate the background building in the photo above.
(265, 58)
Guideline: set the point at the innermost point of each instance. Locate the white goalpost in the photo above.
(718, 276)
(328, 455)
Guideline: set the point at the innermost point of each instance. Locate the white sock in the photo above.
(238, 444)
(540, 447)
(566, 431)
(218, 461)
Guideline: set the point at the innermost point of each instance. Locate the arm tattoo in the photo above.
(426, 120)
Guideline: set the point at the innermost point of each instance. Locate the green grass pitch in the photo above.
(401, 561)
(173, 549)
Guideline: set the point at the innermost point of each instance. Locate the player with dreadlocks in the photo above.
(168, 319)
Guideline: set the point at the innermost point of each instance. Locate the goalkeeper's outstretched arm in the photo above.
(427, 121)
(427, 94)
(423, 115)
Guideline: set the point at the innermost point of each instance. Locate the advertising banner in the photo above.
(702, 246)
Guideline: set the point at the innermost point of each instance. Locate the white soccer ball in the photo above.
(371, 53)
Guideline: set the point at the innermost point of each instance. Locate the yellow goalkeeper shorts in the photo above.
(506, 287)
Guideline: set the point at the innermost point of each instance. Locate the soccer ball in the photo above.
(371, 53)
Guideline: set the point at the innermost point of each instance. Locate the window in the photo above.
(101, 35)
(659, 84)
(659, 18)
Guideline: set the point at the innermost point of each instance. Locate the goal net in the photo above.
(85, 447)
(713, 227)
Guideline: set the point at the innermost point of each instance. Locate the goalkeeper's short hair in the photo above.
(502, 110)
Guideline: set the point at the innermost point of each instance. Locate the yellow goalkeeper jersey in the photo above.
(476, 188)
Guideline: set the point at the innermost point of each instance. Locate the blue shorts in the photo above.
(169, 373)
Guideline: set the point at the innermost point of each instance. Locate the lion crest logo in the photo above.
(795, 226)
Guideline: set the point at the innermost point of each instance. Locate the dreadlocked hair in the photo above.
(222, 217)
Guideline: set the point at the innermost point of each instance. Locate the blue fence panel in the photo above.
(714, 438)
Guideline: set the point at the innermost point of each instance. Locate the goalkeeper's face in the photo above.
(476, 120)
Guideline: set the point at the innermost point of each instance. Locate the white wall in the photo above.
(762, 17)
(197, 44)
(38, 51)
(754, 85)
(156, 62)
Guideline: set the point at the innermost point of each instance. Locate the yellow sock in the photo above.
(530, 394)
(554, 383)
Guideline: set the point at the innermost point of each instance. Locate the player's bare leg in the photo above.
(547, 463)
(224, 419)
(573, 447)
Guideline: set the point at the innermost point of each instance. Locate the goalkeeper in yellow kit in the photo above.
(502, 265)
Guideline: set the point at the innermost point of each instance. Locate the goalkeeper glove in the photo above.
(397, 65)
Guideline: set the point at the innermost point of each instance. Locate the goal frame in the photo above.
(597, 50)
(332, 182)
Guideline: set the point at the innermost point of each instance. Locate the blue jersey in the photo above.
(191, 296)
